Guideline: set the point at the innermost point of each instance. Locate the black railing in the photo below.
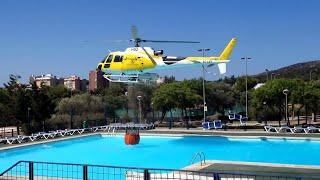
(29, 170)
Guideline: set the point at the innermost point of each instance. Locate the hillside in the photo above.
(299, 70)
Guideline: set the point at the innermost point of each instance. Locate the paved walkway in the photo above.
(267, 169)
(231, 132)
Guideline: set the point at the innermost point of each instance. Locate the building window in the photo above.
(118, 58)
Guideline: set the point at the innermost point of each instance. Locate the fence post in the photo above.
(216, 176)
(31, 171)
(85, 172)
(146, 175)
(12, 134)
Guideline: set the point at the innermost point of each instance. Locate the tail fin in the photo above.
(228, 50)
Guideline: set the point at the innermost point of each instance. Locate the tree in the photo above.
(220, 96)
(228, 80)
(312, 99)
(186, 98)
(41, 106)
(15, 102)
(146, 92)
(169, 79)
(164, 99)
(272, 94)
(240, 84)
(114, 98)
(5, 111)
(56, 93)
(298, 98)
(72, 106)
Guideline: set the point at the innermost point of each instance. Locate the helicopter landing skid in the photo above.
(132, 78)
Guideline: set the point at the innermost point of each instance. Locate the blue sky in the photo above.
(46, 36)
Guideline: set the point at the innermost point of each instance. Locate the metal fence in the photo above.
(28, 170)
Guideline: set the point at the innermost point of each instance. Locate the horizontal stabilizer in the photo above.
(222, 68)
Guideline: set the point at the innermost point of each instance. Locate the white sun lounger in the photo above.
(72, 131)
(269, 128)
(283, 129)
(61, 132)
(311, 129)
(44, 135)
(11, 140)
(79, 131)
(18, 139)
(102, 128)
(298, 129)
(22, 139)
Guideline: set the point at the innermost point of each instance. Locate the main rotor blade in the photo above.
(118, 41)
(150, 57)
(158, 41)
(134, 32)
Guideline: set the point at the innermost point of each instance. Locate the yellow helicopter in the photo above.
(135, 63)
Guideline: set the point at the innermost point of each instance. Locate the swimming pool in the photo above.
(165, 151)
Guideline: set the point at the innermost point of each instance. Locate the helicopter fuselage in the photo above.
(134, 60)
(138, 60)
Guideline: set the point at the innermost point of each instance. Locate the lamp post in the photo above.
(265, 112)
(29, 122)
(276, 75)
(285, 92)
(140, 115)
(246, 59)
(203, 50)
(126, 94)
(152, 112)
(272, 75)
(267, 71)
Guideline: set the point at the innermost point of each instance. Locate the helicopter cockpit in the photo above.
(105, 63)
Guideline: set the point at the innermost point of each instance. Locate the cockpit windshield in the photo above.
(109, 59)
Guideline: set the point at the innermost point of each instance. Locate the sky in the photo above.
(71, 37)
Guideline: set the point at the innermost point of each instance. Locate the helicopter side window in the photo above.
(109, 59)
(118, 58)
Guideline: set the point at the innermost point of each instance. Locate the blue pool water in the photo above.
(165, 151)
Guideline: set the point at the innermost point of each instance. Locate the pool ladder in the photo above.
(199, 155)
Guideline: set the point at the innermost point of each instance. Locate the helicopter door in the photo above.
(117, 62)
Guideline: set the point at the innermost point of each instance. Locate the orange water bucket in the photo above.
(131, 139)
